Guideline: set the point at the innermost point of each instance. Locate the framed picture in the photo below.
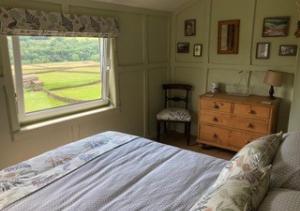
(276, 27)
(288, 50)
(228, 37)
(183, 47)
(197, 50)
(190, 27)
(263, 50)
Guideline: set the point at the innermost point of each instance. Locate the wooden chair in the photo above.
(175, 114)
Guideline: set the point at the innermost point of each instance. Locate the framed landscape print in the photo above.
(263, 50)
(190, 27)
(197, 50)
(288, 50)
(276, 27)
(183, 47)
(228, 37)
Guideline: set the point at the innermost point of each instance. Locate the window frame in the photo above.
(61, 110)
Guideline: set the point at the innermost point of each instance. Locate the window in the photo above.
(58, 75)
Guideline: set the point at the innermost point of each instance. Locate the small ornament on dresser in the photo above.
(214, 87)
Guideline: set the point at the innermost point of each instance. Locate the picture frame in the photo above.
(228, 36)
(183, 47)
(263, 50)
(288, 50)
(276, 26)
(197, 50)
(190, 27)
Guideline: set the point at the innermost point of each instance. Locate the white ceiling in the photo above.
(167, 5)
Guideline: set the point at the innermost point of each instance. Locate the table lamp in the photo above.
(273, 78)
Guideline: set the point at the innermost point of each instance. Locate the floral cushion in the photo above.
(174, 114)
(19, 21)
(257, 154)
(243, 192)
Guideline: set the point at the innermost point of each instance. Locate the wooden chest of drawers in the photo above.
(231, 122)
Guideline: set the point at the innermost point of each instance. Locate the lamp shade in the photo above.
(273, 78)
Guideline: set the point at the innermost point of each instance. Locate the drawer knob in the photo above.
(215, 119)
(250, 126)
(215, 136)
(216, 106)
(252, 112)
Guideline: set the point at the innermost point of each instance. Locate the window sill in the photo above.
(58, 120)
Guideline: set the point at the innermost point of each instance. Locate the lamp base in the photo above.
(271, 93)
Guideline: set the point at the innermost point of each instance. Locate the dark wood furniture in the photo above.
(230, 122)
(176, 114)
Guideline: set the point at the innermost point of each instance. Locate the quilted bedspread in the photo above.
(109, 171)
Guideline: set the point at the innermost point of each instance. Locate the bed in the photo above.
(109, 171)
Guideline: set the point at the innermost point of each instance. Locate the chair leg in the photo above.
(188, 133)
(158, 131)
(186, 128)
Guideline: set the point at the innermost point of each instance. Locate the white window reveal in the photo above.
(56, 75)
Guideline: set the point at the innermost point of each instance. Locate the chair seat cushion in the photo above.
(174, 114)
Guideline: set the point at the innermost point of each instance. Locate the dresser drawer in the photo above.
(213, 134)
(252, 125)
(238, 140)
(216, 105)
(215, 118)
(252, 111)
(231, 122)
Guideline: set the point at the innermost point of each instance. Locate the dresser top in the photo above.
(251, 99)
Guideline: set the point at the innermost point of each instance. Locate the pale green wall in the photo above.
(142, 66)
(294, 124)
(225, 69)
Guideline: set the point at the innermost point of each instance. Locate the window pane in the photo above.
(59, 71)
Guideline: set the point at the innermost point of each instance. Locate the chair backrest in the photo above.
(184, 87)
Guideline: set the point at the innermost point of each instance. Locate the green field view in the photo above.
(79, 81)
(36, 101)
(56, 80)
(85, 93)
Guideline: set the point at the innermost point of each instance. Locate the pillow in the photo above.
(286, 164)
(260, 190)
(243, 192)
(257, 154)
(281, 200)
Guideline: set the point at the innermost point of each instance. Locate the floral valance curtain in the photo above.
(17, 21)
